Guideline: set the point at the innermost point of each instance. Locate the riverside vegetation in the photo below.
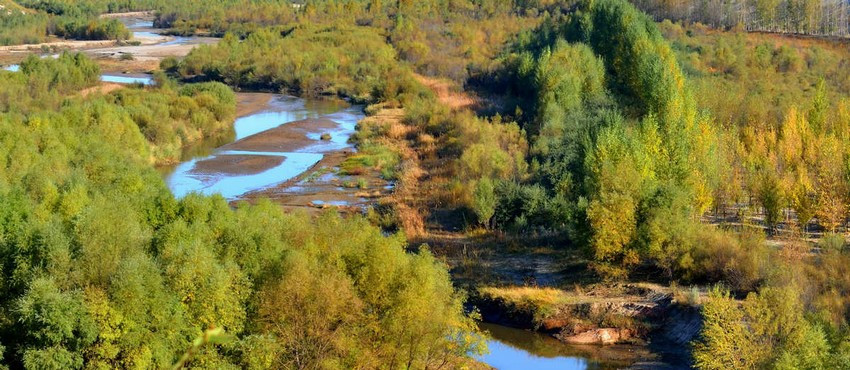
(627, 139)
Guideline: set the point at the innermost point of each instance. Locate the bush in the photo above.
(832, 242)
(484, 200)
(738, 260)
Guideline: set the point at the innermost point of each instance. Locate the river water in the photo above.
(516, 349)
(188, 177)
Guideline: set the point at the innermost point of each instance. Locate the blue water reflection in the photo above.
(503, 356)
(144, 80)
(184, 181)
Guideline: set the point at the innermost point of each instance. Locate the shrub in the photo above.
(738, 260)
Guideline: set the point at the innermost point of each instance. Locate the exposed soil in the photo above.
(284, 138)
(141, 14)
(237, 164)
(135, 66)
(319, 187)
(60, 45)
(145, 56)
(154, 51)
(250, 103)
(102, 88)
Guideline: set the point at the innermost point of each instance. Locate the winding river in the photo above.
(280, 110)
(508, 348)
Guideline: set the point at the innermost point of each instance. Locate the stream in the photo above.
(204, 169)
(189, 177)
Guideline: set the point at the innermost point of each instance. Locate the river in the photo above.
(207, 168)
(211, 173)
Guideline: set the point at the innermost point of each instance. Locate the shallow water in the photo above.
(178, 40)
(135, 23)
(336, 203)
(144, 80)
(145, 34)
(183, 181)
(515, 349)
(281, 109)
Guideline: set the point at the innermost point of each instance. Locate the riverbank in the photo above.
(141, 54)
(249, 103)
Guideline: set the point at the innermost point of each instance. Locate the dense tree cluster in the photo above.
(34, 20)
(619, 133)
(755, 79)
(217, 18)
(621, 159)
(455, 39)
(797, 320)
(348, 61)
(170, 118)
(19, 26)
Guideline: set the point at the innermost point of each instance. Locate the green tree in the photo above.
(768, 329)
(56, 326)
(484, 200)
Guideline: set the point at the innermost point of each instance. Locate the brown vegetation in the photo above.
(447, 92)
(102, 88)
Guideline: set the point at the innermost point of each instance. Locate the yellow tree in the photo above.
(832, 187)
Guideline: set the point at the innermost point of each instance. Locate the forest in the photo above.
(682, 143)
(103, 267)
(805, 17)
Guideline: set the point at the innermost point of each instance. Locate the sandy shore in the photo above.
(102, 88)
(157, 49)
(284, 138)
(250, 103)
(142, 14)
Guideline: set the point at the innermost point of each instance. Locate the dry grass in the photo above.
(447, 94)
(798, 41)
(540, 297)
(103, 88)
(406, 199)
